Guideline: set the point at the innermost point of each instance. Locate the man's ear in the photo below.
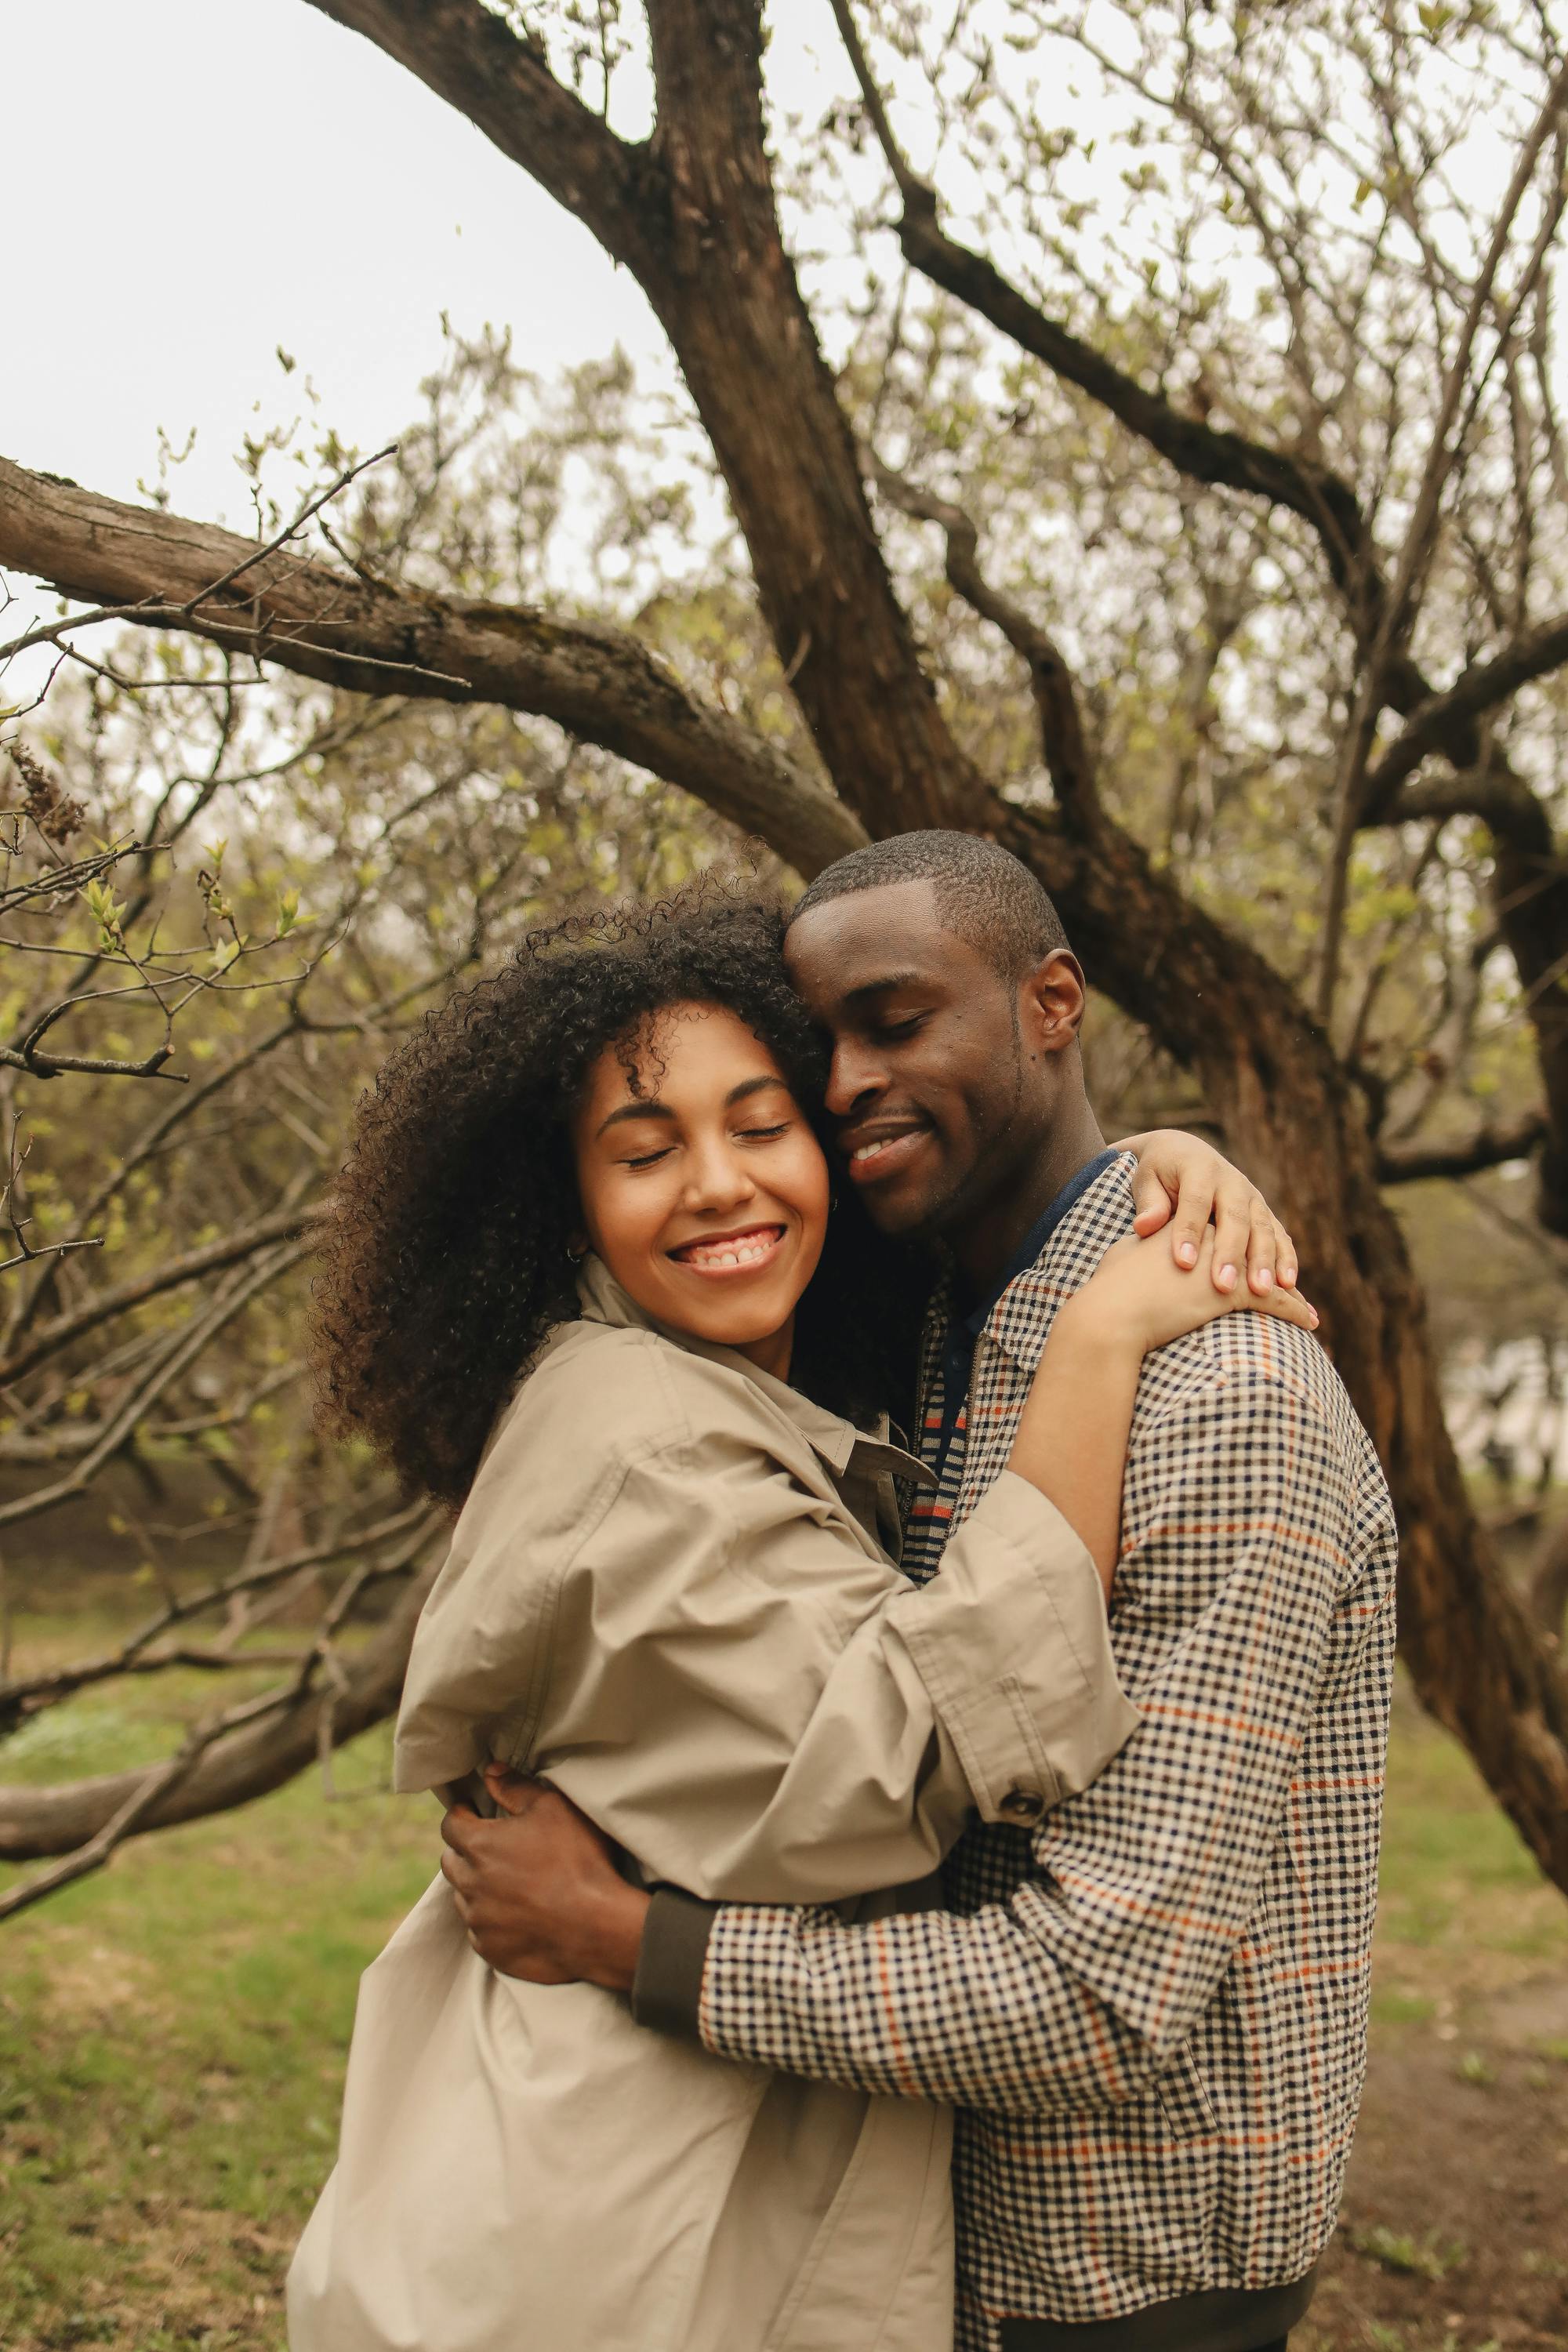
(1051, 1003)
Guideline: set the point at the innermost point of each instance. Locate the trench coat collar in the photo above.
(837, 1441)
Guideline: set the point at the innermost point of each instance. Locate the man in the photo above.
(1149, 2006)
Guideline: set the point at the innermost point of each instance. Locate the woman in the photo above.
(666, 1592)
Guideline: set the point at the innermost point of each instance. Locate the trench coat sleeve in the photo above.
(742, 1692)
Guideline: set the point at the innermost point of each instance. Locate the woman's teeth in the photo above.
(745, 1253)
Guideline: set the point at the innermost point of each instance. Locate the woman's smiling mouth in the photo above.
(725, 1253)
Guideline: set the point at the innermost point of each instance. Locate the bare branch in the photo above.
(175, 1357)
(1444, 722)
(1489, 1147)
(308, 617)
(225, 1764)
(1061, 725)
(1205, 452)
(211, 1259)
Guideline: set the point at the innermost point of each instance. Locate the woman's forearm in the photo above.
(1072, 1439)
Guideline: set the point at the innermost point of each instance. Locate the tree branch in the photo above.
(500, 78)
(323, 622)
(1207, 453)
(1068, 758)
(31, 1695)
(1489, 1147)
(238, 1764)
(282, 1225)
(183, 1348)
(1444, 723)
(693, 217)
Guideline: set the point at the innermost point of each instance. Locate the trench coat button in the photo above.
(1021, 1804)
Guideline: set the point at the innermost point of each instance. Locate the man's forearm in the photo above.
(999, 2022)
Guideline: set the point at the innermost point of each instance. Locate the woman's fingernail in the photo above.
(1187, 1255)
(1227, 1277)
(1264, 1278)
(1313, 1313)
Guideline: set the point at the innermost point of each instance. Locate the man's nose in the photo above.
(854, 1078)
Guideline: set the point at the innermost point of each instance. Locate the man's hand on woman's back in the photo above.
(538, 1891)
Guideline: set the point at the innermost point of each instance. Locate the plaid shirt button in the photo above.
(1021, 1804)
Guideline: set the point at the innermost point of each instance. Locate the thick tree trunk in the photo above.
(1530, 894)
(1549, 1580)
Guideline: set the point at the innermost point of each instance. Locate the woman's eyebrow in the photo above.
(650, 1110)
(653, 1109)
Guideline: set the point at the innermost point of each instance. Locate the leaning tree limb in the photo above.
(237, 1765)
(1442, 723)
(158, 571)
(1489, 1147)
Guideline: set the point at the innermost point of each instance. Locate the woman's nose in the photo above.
(718, 1178)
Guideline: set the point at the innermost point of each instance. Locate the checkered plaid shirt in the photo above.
(1150, 2010)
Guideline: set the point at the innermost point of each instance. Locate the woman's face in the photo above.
(706, 1193)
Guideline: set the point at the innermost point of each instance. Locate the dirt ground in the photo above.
(1454, 2225)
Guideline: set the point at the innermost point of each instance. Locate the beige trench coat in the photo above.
(665, 1592)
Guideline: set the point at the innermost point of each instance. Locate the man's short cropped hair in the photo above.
(983, 894)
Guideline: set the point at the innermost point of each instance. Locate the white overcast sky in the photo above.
(191, 183)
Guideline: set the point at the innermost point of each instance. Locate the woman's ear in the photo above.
(1052, 1001)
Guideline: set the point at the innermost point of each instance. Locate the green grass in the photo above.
(1427, 2258)
(1463, 1904)
(172, 2036)
(172, 2031)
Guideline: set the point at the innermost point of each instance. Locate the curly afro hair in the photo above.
(445, 1260)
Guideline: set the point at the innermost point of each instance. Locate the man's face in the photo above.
(930, 1086)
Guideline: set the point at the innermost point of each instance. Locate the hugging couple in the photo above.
(909, 1682)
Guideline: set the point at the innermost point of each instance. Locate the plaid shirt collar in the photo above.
(1021, 1316)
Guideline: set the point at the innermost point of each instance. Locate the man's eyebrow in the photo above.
(885, 985)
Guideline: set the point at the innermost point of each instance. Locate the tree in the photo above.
(328, 866)
(1238, 478)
